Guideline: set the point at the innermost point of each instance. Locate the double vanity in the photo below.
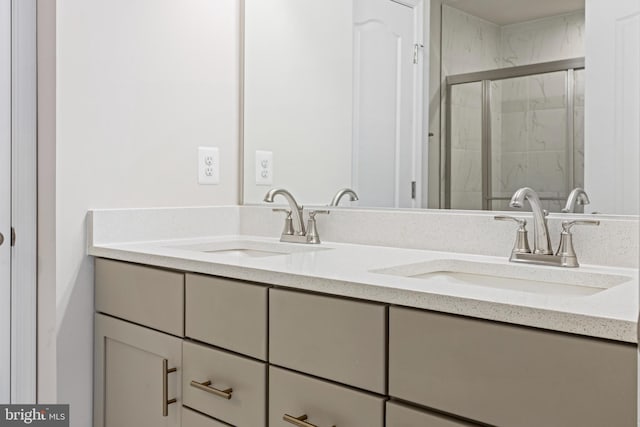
(205, 319)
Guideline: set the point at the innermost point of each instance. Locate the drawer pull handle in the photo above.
(300, 421)
(165, 387)
(206, 386)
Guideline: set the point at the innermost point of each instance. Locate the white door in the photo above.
(386, 102)
(612, 93)
(5, 200)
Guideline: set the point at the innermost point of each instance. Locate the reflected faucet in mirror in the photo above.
(341, 193)
(577, 196)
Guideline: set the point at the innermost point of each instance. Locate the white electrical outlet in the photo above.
(208, 165)
(264, 167)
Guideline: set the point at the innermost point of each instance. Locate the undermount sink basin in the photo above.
(530, 279)
(249, 248)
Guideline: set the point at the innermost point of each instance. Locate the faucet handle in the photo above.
(312, 214)
(287, 211)
(566, 225)
(288, 222)
(565, 248)
(521, 221)
(521, 245)
(312, 229)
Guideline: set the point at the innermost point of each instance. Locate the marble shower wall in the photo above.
(542, 40)
(468, 44)
(466, 146)
(533, 145)
(529, 118)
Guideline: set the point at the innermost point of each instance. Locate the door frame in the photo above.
(419, 178)
(5, 192)
(23, 202)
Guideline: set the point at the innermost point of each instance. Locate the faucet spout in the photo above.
(296, 210)
(341, 193)
(541, 241)
(577, 196)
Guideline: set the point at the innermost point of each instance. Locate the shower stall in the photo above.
(514, 127)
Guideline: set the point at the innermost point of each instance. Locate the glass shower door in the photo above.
(531, 144)
(465, 148)
(508, 129)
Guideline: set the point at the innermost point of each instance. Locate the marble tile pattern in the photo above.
(542, 40)
(466, 145)
(578, 129)
(529, 144)
(469, 43)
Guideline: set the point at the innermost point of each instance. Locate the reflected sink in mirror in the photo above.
(249, 248)
(529, 279)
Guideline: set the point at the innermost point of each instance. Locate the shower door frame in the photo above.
(485, 78)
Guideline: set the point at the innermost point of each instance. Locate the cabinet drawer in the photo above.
(324, 403)
(508, 375)
(227, 313)
(193, 419)
(333, 338)
(247, 378)
(144, 295)
(399, 415)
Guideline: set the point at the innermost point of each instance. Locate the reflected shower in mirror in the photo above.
(504, 133)
(353, 94)
(512, 91)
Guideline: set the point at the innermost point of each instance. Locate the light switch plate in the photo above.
(264, 167)
(208, 165)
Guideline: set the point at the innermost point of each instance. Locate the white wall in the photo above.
(298, 96)
(46, 46)
(140, 85)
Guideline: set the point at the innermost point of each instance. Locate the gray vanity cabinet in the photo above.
(399, 415)
(132, 366)
(179, 349)
(508, 375)
(229, 387)
(137, 369)
(192, 418)
(333, 338)
(148, 296)
(231, 314)
(323, 403)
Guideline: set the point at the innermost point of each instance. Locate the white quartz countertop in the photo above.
(347, 270)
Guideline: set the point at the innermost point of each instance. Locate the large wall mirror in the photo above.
(450, 104)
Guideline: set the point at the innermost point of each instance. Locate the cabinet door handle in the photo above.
(300, 421)
(206, 386)
(165, 387)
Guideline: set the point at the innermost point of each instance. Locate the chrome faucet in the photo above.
(341, 193)
(294, 230)
(577, 196)
(565, 256)
(541, 241)
(298, 223)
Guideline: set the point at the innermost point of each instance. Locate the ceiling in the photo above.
(503, 12)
